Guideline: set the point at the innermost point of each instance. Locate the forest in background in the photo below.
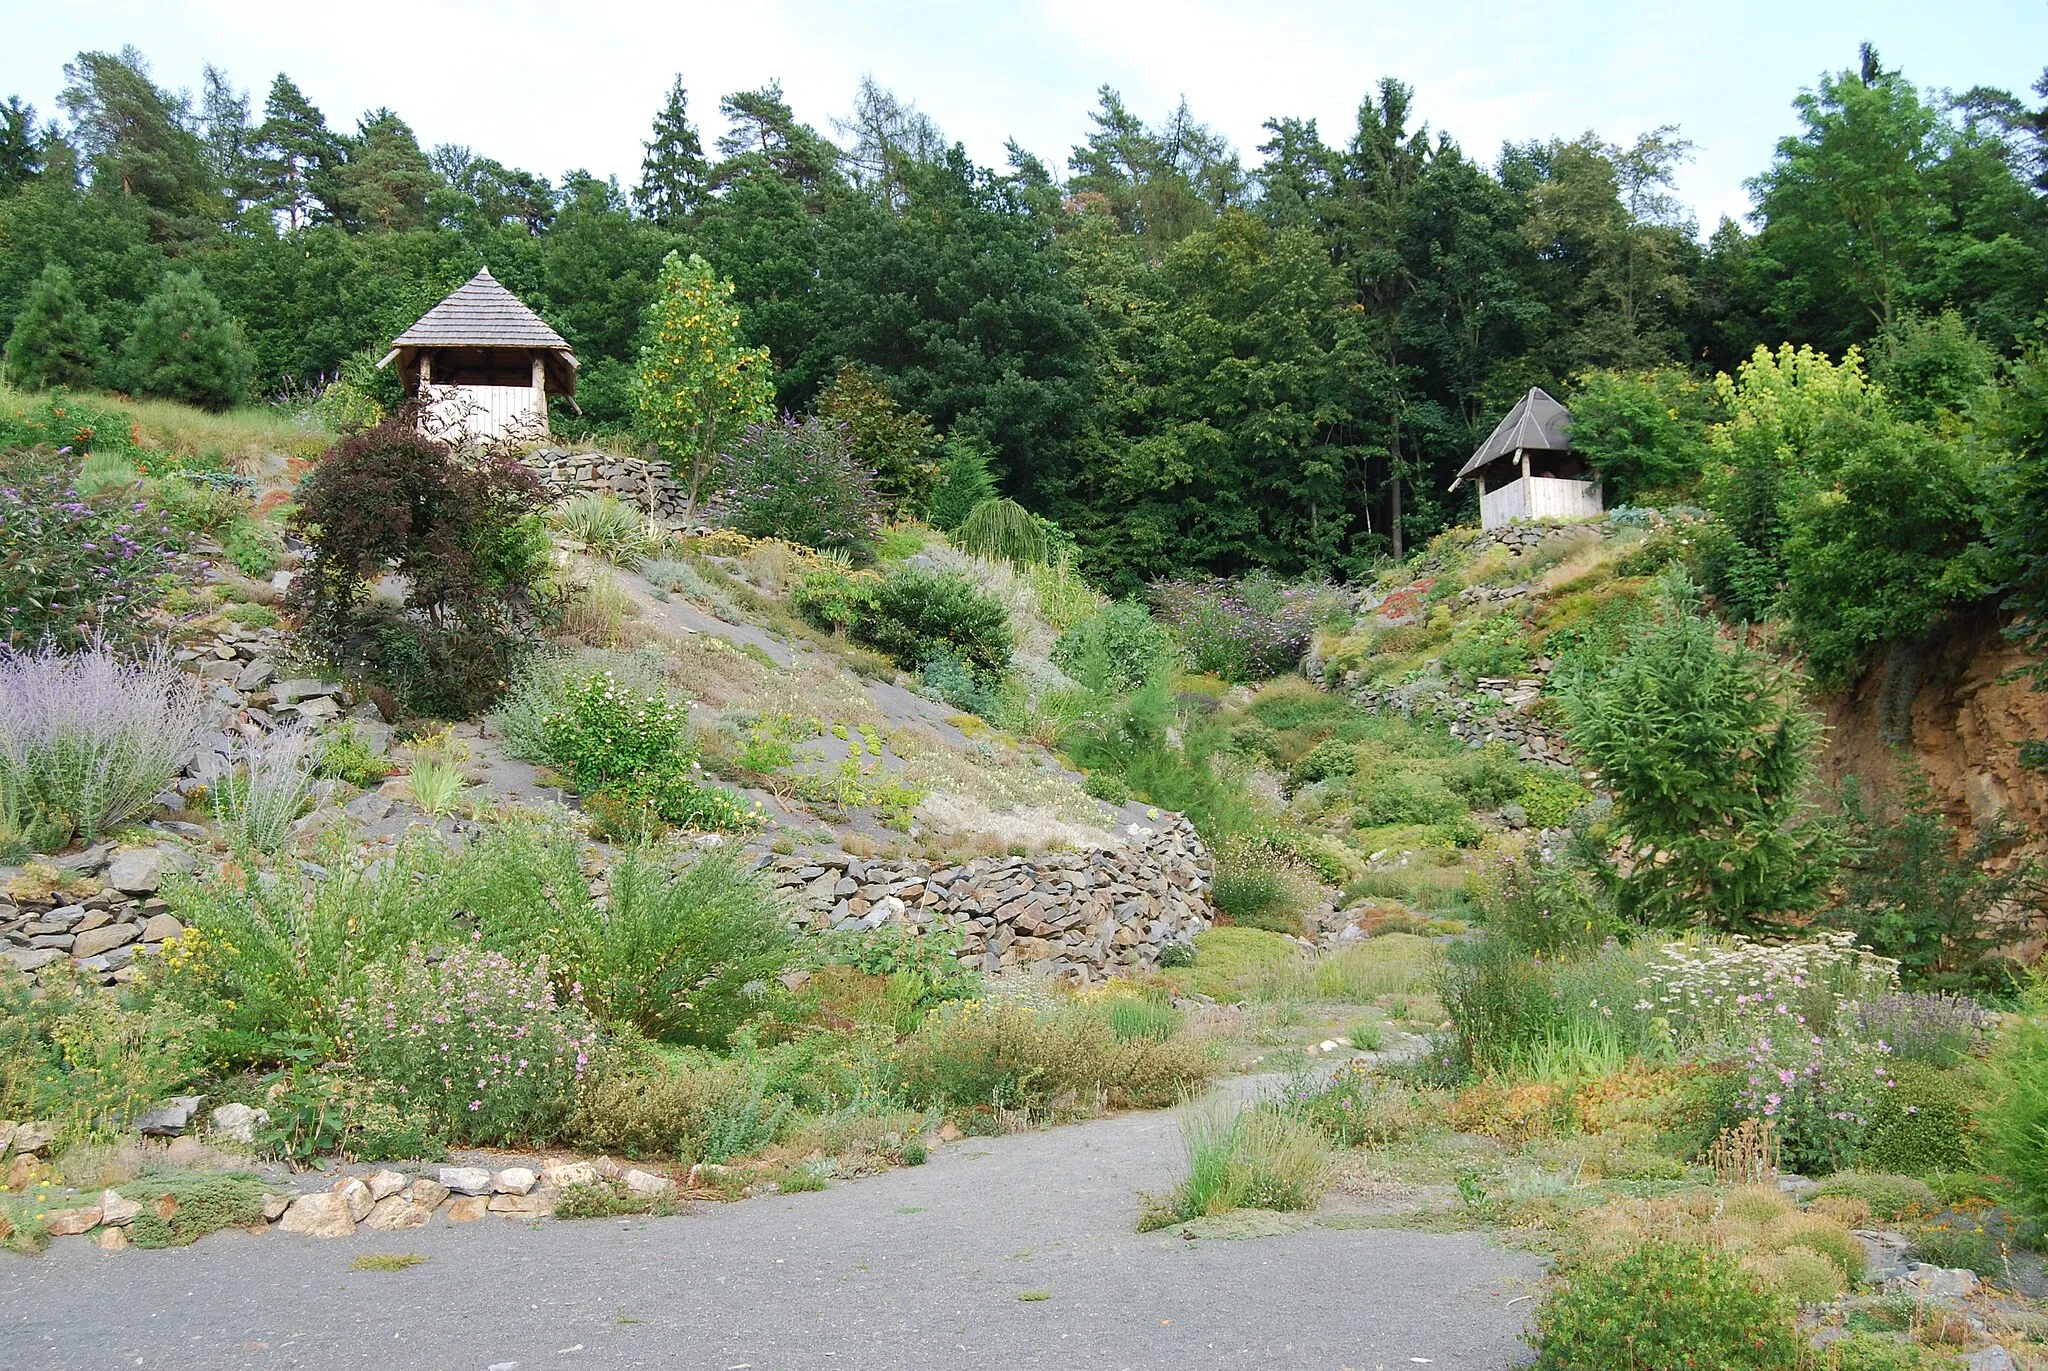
(1191, 364)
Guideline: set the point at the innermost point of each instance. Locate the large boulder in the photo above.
(141, 870)
(321, 1214)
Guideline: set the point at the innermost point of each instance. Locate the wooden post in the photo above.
(426, 372)
(1522, 454)
(540, 392)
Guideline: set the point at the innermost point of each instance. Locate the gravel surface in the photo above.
(926, 1268)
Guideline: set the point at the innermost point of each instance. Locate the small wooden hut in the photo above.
(482, 365)
(1526, 468)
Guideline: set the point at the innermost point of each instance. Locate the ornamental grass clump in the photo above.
(477, 1040)
(273, 778)
(87, 738)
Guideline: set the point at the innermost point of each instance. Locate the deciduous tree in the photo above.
(698, 384)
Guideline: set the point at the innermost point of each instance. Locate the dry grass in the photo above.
(1810, 1254)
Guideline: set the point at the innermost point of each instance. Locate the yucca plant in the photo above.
(607, 526)
(1001, 528)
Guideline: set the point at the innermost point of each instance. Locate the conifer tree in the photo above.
(55, 342)
(673, 173)
(297, 154)
(187, 347)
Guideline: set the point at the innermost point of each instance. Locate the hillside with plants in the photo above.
(1069, 681)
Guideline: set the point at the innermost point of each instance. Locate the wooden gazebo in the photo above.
(482, 365)
(1529, 462)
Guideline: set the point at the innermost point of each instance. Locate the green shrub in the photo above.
(1133, 1017)
(1923, 1125)
(1001, 528)
(1115, 649)
(185, 346)
(687, 1109)
(964, 483)
(198, 1204)
(254, 548)
(1882, 1352)
(834, 600)
(2014, 1120)
(1707, 748)
(629, 753)
(1889, 1197)
(1545, 907)
(1498, 646)
(1551, 798)
(476, 1040)
(1664, 1305)
(345, 759)
(1327, 760)
(1389, 796)
(920, 615)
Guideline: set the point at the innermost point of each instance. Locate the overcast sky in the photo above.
(574, 83)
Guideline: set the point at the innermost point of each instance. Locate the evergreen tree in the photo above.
(296, 156)
(386, 185)
(21, 154)
(140, 142)
(186, 347)
(55, 342)
(230, 142)
(674, 177)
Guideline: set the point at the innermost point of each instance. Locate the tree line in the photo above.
(1189, 363)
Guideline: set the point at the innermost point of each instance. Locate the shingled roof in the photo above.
(482, 314)
(1537, 423)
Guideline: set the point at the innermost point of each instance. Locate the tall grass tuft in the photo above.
(607, 526)
(92, 736)
(1257, 1159)
(259, 804)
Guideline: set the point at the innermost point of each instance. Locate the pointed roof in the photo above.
(1537, 423)
(482, 314)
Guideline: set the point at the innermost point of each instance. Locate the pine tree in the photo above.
(673, 173)
(187, 347)
(230, 143)
(55, 342)
(21, 153)
(296, 156)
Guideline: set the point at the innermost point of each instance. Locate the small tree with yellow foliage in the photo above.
(697, 384)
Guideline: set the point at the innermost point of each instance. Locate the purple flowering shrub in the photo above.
(798, 480)
(75, 569)
(1820, 1094)
(1243, 630)
(477, 1041)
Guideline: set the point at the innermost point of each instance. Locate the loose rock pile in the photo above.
(1077, 916)
(100, 914)
(1496, 710)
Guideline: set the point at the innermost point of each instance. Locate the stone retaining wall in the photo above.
(1078, 916)
(634, 480)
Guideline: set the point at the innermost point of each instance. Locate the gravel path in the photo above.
(922, 1268)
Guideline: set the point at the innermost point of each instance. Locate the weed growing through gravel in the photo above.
(387, 1261)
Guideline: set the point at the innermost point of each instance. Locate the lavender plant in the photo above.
(260, 802)
(91, 736)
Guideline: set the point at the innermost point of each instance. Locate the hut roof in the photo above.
(1537, 423)
(482, 314)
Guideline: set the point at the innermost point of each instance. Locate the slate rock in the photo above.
(140, 871)
(94, 941)
(161, 928)
(170, 1118)
(27, 959)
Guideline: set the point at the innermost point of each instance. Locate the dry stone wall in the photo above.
(1079, 916)
(635, 480)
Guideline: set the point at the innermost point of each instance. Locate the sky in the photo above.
(575, 83)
